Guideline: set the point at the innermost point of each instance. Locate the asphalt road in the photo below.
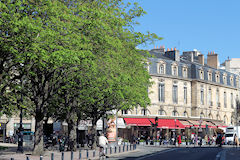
(204, 153)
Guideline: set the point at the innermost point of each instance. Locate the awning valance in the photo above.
(162, 123)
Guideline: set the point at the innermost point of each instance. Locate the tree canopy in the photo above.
(73, 57)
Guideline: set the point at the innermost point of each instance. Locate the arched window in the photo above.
(232, 120)
(185, 72)
(218, 117)
(225, 119)
(174, 113)
(144, 112)
(124, 112)
(210, 116)
(161, 112)
(202, 115)
(174, 69)
(185, 114)
(161, 69)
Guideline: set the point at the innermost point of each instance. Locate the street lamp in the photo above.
(20, 129)
(175, 133)
(156, 124)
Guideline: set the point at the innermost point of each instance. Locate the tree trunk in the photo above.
(38, 141)
(94, 132)
(72, 136)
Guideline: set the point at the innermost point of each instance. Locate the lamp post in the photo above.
(175, 133)
(20, 129)
(156, 124)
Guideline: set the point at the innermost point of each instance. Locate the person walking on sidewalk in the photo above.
(236, 141)
(103, 144)
(179, 140)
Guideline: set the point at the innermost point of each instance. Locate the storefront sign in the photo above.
(57, 126)
(25, 125)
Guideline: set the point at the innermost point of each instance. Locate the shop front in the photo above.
(2, 132)
(146, 128)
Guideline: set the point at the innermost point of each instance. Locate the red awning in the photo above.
(162, 123)
(137, 121)
(219, 124)
(186, 123)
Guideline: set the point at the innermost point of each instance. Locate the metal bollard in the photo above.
(106, 151)
(110, 150)
(71, 155)
(130, 147)
(115, 149)
(41, 157)
(27, 158)
(52, 156)
(123, 148)
(93, 153)
(87, 153)
(80, 155)
(119, 149)
(62, 156)
(127, 147)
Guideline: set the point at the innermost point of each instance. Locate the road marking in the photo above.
(164, 151)
(221, 155)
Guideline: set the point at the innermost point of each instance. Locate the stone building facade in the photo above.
(186, 88)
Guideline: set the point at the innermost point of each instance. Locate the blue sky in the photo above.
(205, 25)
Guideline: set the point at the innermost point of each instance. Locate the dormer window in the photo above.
(174, 69)
(209, 75)
(217, 76)
(201, 74)
(161, 67)
(184, 72)
(224, 79)
(231, 80)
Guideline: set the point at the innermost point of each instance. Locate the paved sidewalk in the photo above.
(9, 153)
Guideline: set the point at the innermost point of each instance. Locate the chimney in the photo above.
(201, 59)
(212, 60)
(173, 54)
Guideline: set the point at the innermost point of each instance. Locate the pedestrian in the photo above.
(236, 141)
(206, 139)
(179, 140)
(196, 140)
(103, 144)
